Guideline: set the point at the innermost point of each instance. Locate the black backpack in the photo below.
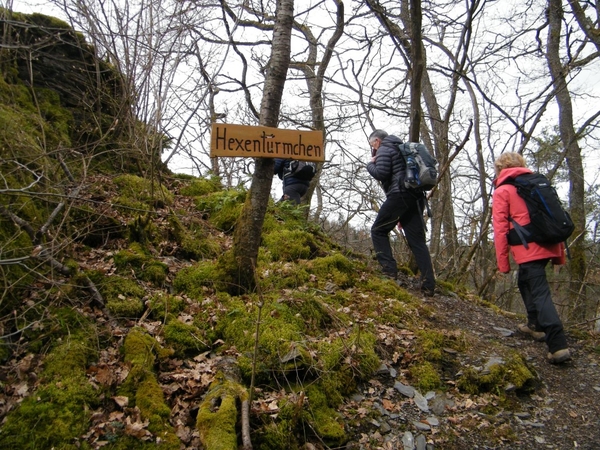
(301, 170)
(421, 167)
(550, 223)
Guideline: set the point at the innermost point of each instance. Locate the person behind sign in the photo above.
(401, 206)
(293, 188)
(543, 322)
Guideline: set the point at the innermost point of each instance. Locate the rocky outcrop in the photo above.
(43, 52)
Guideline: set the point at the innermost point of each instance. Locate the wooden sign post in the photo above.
(266, 142)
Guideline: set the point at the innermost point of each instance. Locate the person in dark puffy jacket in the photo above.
(401, 206)
(543, 322)
(293, 188)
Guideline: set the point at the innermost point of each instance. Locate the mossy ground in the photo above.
(57, 414)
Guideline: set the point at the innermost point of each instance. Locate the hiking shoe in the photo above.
(536, 335)
(428, 292)
(559, 356)
(391, 276)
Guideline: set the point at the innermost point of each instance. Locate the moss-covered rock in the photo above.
(335, 268)
(195, 240)
(122, 296)
(194, 280)
(145, 267)
(222, 207)
(327, 423)
(498, 375)
(163, 306)
(290, 245)
(141, 386)
(217, 415)
(202, 186)
(141, 193)
(185, 339)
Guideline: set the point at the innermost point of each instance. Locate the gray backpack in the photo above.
(421, 167)
(301, 170)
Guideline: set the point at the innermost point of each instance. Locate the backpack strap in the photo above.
(521, 232)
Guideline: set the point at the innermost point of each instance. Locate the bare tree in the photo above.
(314, 80)
(573, 157)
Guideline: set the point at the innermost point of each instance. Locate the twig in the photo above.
(96, 295)
(585, 322)
(246, 443)
(46, 257)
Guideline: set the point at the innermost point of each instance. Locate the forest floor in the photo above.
(562, 412)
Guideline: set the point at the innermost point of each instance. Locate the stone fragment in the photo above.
(408, 391)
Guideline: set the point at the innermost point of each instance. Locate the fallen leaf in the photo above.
(121, 400)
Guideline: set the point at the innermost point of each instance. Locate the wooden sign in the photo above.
(265, 142)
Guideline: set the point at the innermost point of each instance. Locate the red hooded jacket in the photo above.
(507, 203)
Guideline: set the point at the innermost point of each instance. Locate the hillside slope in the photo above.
(344, 359)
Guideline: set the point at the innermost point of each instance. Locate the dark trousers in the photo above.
(294, 192)
(541, 313)
(407, 209)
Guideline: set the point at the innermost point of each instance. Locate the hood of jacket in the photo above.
(510, 173)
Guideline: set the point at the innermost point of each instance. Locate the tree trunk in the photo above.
(247, 235)
(418, 64)
(577, 267)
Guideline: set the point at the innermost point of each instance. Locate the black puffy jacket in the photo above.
(389, 166)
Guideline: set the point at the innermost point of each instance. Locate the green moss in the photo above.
(281, 275)
(164, 305)
(317, 315)
(325, 420)
(195, 241)
(142, 388)
(194, 280)
(57, 120)
(155, 272)
(140, 352)
(335, 268)
(202, 186)
(16, 277)
(286, 215)
(141, 193)
(289, 245)
(149, 398)
(135, 256)
(280, 432)
(425, 376)
(432, 344)
(122, 296)
(279, 331)
(346, 360)
(144, 266)
(185, 339)
(223, 207)
(391, 310)
(143, 229)
(58, 412)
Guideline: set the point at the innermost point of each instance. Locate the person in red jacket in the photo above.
(543, 322)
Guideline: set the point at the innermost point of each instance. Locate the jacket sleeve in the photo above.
(501, 224)
(278, 168)
(382, 168)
